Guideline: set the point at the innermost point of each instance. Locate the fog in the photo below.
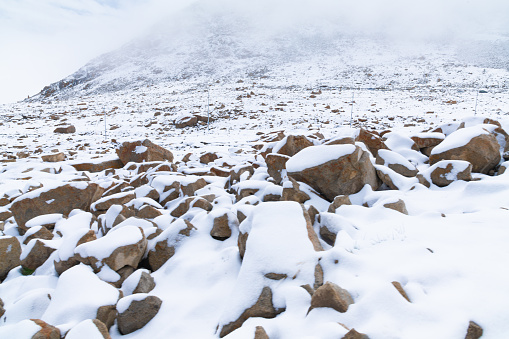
(42, 41)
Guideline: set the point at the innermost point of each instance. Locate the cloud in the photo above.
(42, 41)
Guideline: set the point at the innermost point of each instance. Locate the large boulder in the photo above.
(292, 145)
(142, 151)
(372, 141)
(135, 311)
(56, 199)
(473, 144)
(446, 172)
(10, 252)
(333, 170)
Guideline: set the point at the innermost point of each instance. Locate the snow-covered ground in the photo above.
(448, 253)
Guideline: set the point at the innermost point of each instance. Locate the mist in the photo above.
(43, 41)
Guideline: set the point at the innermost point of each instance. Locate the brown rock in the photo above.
(41, 233)
(292, 192)
(397, 206)
(102, 328)
(10, 252)
(401, 166)
(107, 315)
(145, 284)
(275, 165)
(344, 176)
(67, 129)
(401, 291)
(61, 199)
(311, 231)
(260, 333)
(221, 228)
(208, 158)
(241, 243)
(143, 151)
(189, 203)
(63, 265)
(482, 151)
(38, 254)
(54, 157)
(138, 314)
(46, 332)
(474, 331)
(191, 188)
(148, 212)
(2, 309)
(292, 145)
(105, 203)
(353, 334)
(5, 215)
(263, 308)
(97, 166)
(372, 141)
(341, 141)
(339, 201)
(333, 296)
(186, 121)
(327, 235)
(446, 172)
(427, 140)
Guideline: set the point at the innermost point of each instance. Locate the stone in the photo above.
(221, 229)
(275, 165)
(145, 284)
(54, 157)
(61, 199)
(341, 141)
(65, 130)
(191, 187)
(446, 172)
(97, 166)
(10, 252)
(2, 309)
(148, 212)
(138, 314)
(105, 203)
(186, 121)
(372, 141)
(398, 206)
(38, 253)
(63, 265)
(127, 252)
(260, 333)
(328, 235)
(482, 150)
(38, 232)
(93, 328)
(474, 331)
(345, 175)
(292, 192)
(143, 151)
(400, 289)
(292, 145)
(333, 296)
(189, 203)
(353, 334)
(263, 308)
(208, 157)
(339, 201)
(396, 162)
(107, 315)
(47, 331)
(167, 242)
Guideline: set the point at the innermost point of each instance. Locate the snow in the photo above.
(44, 220)
(316, 155)
(84, 330)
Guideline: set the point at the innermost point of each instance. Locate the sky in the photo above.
(43, 41)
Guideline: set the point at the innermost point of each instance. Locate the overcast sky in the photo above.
(43, 41)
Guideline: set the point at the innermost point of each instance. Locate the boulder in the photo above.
(425, 142)
(97, 165)
(208, 157)
(276, 165)
(163, 247)
(473, 144)
(134, 312)
(222, 226)
(65, 130)
(57, 199)
(398, 206)
(189, 203)
(333, 170)
(10, 252)
(339, 201)
(446, 172)
(105, 203)
(35, 254)
(474, 331)
(47, 331)
(292, 145)
(263, 308)
(260, 333)
(396, 162)
(2, 309)
(292, 192)
(142, 151)
(353, 334)
(372, 141)
(186, 121)
(333, 296)
(68, 260)
(37, 232)
(121, 247)
(54, 157)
